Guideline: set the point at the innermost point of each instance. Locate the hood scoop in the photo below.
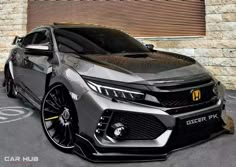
(136, 55)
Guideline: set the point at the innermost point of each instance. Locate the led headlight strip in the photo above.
(116, 92)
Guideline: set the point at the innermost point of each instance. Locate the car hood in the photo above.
(136, 67)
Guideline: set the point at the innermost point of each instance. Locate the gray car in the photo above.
(107, 97)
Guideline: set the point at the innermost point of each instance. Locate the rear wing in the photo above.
(17, 40)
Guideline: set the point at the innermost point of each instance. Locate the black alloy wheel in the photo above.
(10, 86)
(59, 118)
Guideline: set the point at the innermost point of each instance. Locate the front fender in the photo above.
(71, 80)
(75, 85)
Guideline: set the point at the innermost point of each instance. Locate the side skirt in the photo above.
(25, 95)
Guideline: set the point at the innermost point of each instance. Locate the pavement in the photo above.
(23, 143)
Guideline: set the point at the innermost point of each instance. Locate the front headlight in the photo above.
(215, 89)
(217, 86)
(116, 93)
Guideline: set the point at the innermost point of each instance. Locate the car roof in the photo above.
(72, 25)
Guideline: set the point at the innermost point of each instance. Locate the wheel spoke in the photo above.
(55, 135)
(58, 94)
(51, 118)
(65, 96)
(50, 114)
(50, 103)
(71, 139)
(60, 139)
(54, 100)
(64, 135)
(51, 126)
(51, 111)
(57, 129)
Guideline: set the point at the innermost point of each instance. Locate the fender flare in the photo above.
(10, 67)
(71, 80)
(48, 78)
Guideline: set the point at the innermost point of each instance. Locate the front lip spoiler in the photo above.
(86, 150)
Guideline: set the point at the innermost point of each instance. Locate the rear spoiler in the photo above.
(17, 40)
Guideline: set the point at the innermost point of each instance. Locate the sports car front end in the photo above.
(136, 103)
(138, 122)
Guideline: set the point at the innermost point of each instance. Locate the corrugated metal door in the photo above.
(140, 18)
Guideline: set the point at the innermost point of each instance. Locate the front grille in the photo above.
(184, 85)
(184, 97)
(184, 109)
(139, 126)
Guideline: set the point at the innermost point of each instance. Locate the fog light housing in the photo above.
(119, 130)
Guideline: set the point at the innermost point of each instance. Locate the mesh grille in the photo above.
(140, 126)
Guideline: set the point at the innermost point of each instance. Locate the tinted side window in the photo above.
(41, 38)
(28, 39)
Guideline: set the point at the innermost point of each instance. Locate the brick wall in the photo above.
(13, 18)
(217, 50)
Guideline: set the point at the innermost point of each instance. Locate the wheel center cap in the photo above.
(66, 114)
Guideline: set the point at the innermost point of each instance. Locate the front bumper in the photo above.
(88, 151)
(94, 149)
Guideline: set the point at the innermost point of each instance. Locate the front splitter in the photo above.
(85, 149)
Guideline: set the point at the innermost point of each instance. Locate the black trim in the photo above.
(86, 150)
(206, 82)
(117, 84)
(30, 94)
(48, 78)
(179, 139)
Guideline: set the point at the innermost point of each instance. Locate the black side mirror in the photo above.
(16, 40)
(150, 47)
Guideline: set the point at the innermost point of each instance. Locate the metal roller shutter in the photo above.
(140, 18)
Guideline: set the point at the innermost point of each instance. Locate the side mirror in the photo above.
(39, 49)
(17, 40)
(150, 47)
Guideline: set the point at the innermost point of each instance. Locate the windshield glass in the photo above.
(96, 41)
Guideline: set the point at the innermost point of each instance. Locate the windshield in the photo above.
(96, 41)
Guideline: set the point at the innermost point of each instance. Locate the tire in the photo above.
(59, 118)
(10, 86)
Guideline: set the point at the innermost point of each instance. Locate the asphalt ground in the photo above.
(23, 143)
